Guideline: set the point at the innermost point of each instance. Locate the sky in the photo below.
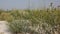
(25, 4)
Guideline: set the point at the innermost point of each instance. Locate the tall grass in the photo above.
(40, 21)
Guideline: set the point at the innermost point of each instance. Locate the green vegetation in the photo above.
(32, 21)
